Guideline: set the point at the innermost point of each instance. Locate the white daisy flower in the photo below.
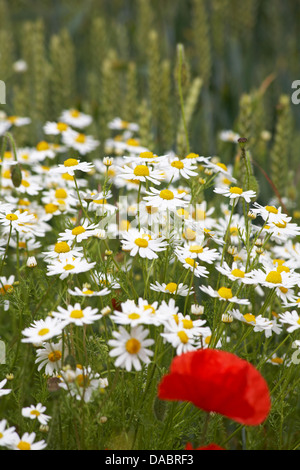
(87, 292)
(71, 165)
(141, 173)
(224, 293)
(85, 382)
(79, 233)
(118, 124)
(196, 251)
(131, 348)
(165, 199)
(234, 192)
(82, 143)
(77, 315)
(180, 168)
(4, 391)
(75, 118)
(172, 288)
(42, 151)
(234, 273)
(193, 265)
(19, 221)
(50, 356)
(55, 128)
(68, 266)
(62, 250)
(131, 314)
(141, 243)
(270, 213)
(42, 330)
(26, 442)
(7, 435)
(18, 121)
(229, 136)
(220, 168)
(290, 318)
(36, 412)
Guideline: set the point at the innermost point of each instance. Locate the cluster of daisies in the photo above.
(146, 262)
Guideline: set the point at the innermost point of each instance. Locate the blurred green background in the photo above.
(119, 58)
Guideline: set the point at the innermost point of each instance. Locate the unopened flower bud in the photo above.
(227, 318)
(31, 262)
(197, 309)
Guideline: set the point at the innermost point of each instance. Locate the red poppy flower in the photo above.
(211, 446)
(218, 381)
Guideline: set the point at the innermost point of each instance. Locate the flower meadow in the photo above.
(150, 290)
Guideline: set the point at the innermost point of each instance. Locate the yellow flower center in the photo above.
(23, 445)
(177, 164)
(75, 113)
(166, 194)
(35, 413)
(191, 262)
(235, 190)
(199, 214)
(100, 201)
(70, 162)
(61, 126)
(43, 331)
(183, 337)
(149, 307)
(196, 249)
(67, 177)
(221, 165)
(141, 242)
(134, 316)
(80, 138)
(192, 155)
(171, 287)
(88, 292)
(284, 290)
(124, 225)
(238, 273)
(69, 267)
(6, 289)
(25, 183)
(133, 346)
(132, 142)
(54, 356)
(281, 224)
(61, 247)
(61, 193)
(82, 380)
(249, 317)
(141, 170)
(50, 208)
(277, 360)
(280, 269)
(189, 234)
(225, 293)
(146, 155)
(274, 277)
(42, 146)
(78, 230)
(76, 314)
(187, 324)
(12, 217)
(271, 209)
(207, 339)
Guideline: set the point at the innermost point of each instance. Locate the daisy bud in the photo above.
(259, 251)
(232, 250)
(197, 309)
(69, 375)
(227, 318)
(103, 419)
(100, 234)
(44, 428)
(208, 172)
(108, 161)
(201, 180)
(108, 252)
(16, 175)
(31, 262)
(251, 215)
(10, 376)
(265, 135)
(106, 310)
